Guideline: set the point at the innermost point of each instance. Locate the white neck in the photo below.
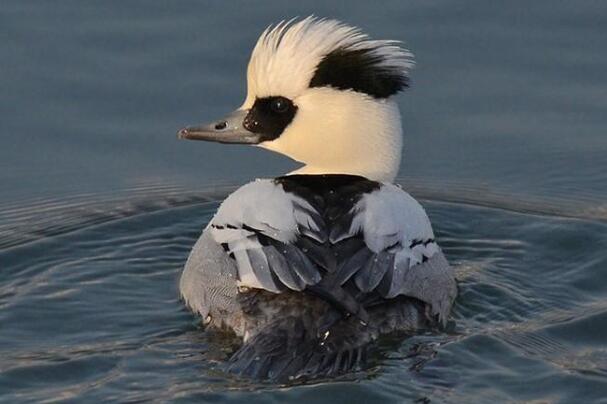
(343, 132)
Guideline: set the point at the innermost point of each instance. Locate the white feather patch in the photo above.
(263, 206)
(286, 56)
(390, 216)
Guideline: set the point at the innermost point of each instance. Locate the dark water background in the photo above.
(99, 203)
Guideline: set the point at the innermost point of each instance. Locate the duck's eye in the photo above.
(280, 105)
(269, 116)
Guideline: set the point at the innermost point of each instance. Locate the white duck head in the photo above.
(321, 92)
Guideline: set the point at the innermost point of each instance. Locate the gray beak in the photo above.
(226, 130)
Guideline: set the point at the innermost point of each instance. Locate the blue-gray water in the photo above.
(99, 204)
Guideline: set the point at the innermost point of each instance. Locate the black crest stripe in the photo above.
(359, 70)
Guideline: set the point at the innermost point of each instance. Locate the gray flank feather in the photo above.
(432, 282)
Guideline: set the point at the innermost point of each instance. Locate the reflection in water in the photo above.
(90, 310)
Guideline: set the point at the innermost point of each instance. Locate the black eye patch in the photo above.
(269, 117)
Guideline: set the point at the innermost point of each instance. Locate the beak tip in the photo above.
(182, 134)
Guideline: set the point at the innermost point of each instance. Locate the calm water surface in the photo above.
(100, 204)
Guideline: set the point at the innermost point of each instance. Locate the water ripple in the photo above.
(89, 311)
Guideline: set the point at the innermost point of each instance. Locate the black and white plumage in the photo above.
(310, 267)
(343, 240)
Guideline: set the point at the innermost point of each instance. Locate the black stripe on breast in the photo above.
(417, 242)
(332, 195)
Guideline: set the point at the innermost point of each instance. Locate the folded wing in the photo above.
(380, 241)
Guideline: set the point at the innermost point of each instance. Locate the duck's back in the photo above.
(309, 269)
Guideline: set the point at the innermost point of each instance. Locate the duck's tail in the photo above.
(287, 349)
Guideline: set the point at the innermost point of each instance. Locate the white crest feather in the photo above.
(285, 57)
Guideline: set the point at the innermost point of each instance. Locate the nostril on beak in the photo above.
(221, 125)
